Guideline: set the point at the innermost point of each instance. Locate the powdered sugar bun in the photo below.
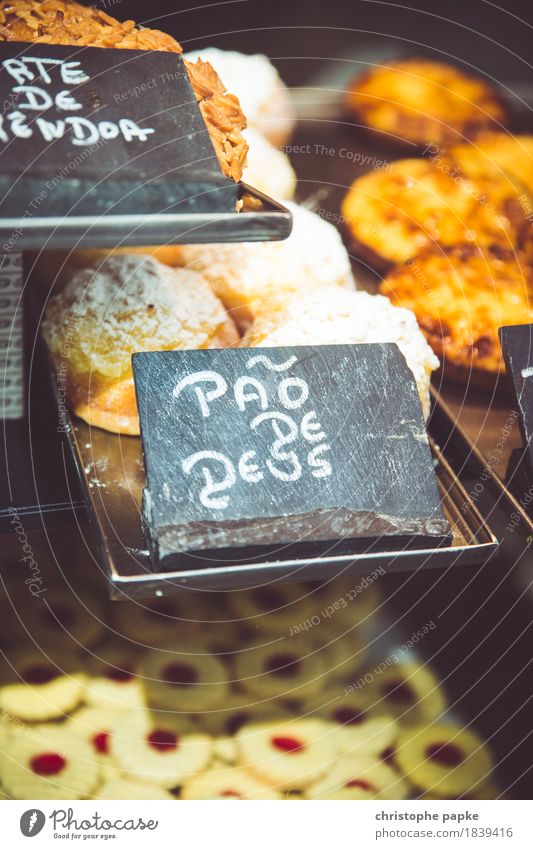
(332, 316)
(268, 169)
(261, 277)
(264, 98)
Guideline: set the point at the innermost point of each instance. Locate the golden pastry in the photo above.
(120, 306)
(393, 214)
(461, 295)
(424, 102)
(70, 23)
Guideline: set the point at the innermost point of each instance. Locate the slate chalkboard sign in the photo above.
(517, 347)
(272, 447)
(95, 131)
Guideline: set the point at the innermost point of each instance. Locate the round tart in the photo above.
(443, 760)
(36, 687)
(258, 277)
(513, 154)
(48, 764)
(461, 296)
(152, 747)
(281, 669)
(288, 755)
(409, 691)
(331, 317)
(425, 102)
(184, 681)
(228, 784)
(272, 606)
(122, 305)
(359, 778)
(114, 682)
(122, 788)
(157, 622)
(391, 215)
(264, 98)
(236, 711)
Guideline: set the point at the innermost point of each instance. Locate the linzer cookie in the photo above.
(36, 687)
(114, 683)
(227, 784)
(49, 763)
(359, 778)
(152, 747)
(361, 732)
(409, 691)
(191, 680)
(281, 669)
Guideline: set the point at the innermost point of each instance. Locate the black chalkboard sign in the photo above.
(282, 446)
(517, 347)
(95, 131)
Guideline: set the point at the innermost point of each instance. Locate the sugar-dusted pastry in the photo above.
(443, 760)
(461, 295)
(254, 277)
(391, 215)
(70, 23)
(425, 102)
(332, 316)
(115, 308)
(268, 169)
(264, 98)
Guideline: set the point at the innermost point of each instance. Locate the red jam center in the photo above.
(347, 716)
(59, 614)
(400, 692)
(288, 744)
(179, 675)
(283, 665)
(162, 741)
(101, 743)
(445, 754)
(39, 674)
(49, 763)
(231, 794)
(361, 784)
(118, 675)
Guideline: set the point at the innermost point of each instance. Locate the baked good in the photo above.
(392, 214)
(49, 763)
(281, 668)
(114, 682)
(70, 23)
(268, 168)
(359, 778)
(94, 724)
(190, 680)
(275, 605)
(513, 154)
(226, 784)
(443, 760)
(420, 101)
(151, 747)
(156, 622)
(407, 690)
(63, 618)
(461, 295)
(361, 732)
(264, 98)
(332, 316)
(288, 755)
(111, 310)
(36, 687)
(263, 276)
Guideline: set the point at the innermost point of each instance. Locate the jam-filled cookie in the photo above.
(234, 783)
(237, 710)
(409, 691)
(63, 617)
(122, 788)
(272, 606)
(36, 687)
(94, 725)
(444, 760)
(288, 755)
(49, 763)
(158, 621)
(288, 668)
(359, 778)
(114, 682)
(352, 601)
(360, 731)
(194, 680)
(152, 747)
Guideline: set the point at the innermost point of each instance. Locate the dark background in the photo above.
(299, 34)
